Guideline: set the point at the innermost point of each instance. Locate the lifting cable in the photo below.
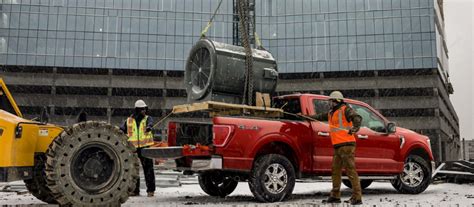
(243, 29)
(204, 31)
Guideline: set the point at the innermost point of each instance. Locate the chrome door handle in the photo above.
(362, 136)
(324, 134)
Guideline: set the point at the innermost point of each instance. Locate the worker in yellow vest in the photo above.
(138, 129)
(343, 122)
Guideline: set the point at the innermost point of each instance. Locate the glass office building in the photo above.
(386, 51)
(303, 35)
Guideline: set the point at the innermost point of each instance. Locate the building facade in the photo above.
(99, 56)
(469, 150)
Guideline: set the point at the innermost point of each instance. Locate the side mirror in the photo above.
(391, 128)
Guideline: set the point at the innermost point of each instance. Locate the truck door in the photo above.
(322, 147)
(376, 150)
(7, 103)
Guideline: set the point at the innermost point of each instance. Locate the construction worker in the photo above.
(344, 122)
(138, 129)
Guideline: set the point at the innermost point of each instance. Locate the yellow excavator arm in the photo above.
(20, 139)
(7, 103)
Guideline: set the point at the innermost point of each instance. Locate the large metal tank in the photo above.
(216, 71)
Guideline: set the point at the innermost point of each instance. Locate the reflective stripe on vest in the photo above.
(339, 127)
(138, 136)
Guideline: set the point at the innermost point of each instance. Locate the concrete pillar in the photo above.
(53, 93)
(165, 94)
(463, 149)
(440, 148)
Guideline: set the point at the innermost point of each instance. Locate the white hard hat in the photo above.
(336, 95)
(140, 104)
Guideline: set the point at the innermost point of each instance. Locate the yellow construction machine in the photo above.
(87, 164)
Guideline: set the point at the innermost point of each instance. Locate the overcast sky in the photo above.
(459, 18)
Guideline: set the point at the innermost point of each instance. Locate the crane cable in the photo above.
(243, 29)
(204, 31)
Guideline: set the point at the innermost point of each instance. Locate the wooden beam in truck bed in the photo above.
(225, 109)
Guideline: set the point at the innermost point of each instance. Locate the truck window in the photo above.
(289, 105)
(369, 118)
(5, 103)
(321, 106)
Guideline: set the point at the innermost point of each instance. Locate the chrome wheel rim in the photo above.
(276, 178)
(412, 174)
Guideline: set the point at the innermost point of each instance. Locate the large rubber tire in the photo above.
(258, 178)
(363, 183)
(91, 164)
(216, 183)
(37, 184)
(402, 187)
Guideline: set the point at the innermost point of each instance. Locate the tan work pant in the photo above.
(344, 158)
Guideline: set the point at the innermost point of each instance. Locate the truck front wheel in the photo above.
(415, 178)
(272, 178)
(216, 183)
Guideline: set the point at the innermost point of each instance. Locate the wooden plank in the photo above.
(262, 99)
(220, 108)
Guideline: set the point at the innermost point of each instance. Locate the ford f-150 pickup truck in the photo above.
(272, 153)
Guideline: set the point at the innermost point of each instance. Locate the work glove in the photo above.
(353, 130)
(148, 129)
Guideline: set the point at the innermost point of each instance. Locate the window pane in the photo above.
(369, 118)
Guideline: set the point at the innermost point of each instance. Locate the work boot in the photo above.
(151, 194)
(135, 194)
(353, 201)
(332, 200)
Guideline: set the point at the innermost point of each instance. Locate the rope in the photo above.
(308, 118)
(300, 115)
(162, 119)
(204, 31)
(258, 42)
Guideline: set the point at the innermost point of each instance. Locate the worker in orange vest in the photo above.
(344, 122)
(138, 129)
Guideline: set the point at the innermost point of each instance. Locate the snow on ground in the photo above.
(305, 194)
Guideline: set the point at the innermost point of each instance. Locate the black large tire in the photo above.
(363, 183)
(416, 162)
(37, 184)
(216, 183)
(91, 164)
(275, 164)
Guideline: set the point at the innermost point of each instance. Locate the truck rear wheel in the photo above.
(216, 183)
(37, 184)
(91, 163)
(272, 178)
(363, 183)
(415, 178)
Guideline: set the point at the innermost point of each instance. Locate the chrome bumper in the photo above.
(214, 163)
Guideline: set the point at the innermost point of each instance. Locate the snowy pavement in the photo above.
(305, 194)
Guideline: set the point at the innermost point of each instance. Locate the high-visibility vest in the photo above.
(139, 137)
(339, 127)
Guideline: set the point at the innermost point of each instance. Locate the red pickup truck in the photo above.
(272, 153)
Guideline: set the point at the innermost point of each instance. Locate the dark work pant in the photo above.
(147, 164)
(344, 159)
